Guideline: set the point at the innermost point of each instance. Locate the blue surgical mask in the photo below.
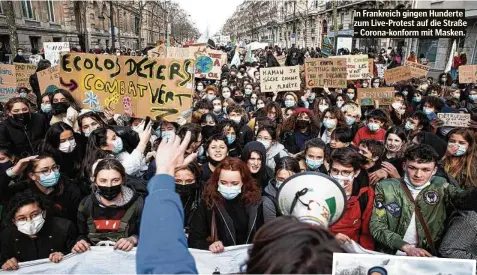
(350, 121)
(461, 150)
(229, 192)
(167, 134)
(289, 103)
(473, 97)
(428, 111)
(23, 95)
(409, 126)
(230, 139)
(329, 123)
(117, 145)
(314, 163)
(50, 180)
(158, 132)
(373, 127)
(416, 99)
(46, 108)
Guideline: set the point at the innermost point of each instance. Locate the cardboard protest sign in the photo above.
(8, 82)
(329, 72)
(136, 86)
(467, 73)
(157, 52)
(53, 50)
(358, 66)
(208, 63)
(417, 70)
(49, 79)
(367, 96)
(280, 79)
(176, 52)
(454, 119)
(371, 67)
(23, 72)
(401, 73)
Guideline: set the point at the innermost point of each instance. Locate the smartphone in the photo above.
(148, 119)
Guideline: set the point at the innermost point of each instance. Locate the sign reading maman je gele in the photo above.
(137, 86)
(329, 72)
(53, 50)
(367, 96)
(49, 79)
(23, 72)
(8, 82)
(358, 66)
(280, 79)
(454, 119)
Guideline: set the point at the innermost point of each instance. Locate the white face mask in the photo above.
(375, 85)
(67, 146)
(217, 108)
(248, 91)
(266, 143)
(253, 101)
(396, 105)
(351, 96)
(226, 95)
(278, 183)
(322, 108)
(200, 88)
(260, 106)
(237, 119)
(344, 181)
(339, 103)
(31, 227)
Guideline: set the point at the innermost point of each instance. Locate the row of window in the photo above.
(28, 11)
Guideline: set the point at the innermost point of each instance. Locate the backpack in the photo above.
(122, 232)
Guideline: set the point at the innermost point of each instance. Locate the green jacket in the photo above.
(392, 212)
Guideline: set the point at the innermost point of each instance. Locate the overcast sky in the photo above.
(213, 13)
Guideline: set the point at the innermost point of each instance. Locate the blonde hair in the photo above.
(351, 108)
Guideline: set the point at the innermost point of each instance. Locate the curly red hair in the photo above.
(251, 193)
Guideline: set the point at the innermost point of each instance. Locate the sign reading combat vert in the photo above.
(136, 86)
(280, 79)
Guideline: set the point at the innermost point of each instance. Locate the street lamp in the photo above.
(101, 17)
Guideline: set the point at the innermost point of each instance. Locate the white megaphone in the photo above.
(312, 197)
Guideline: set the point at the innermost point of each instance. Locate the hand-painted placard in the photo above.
(8, 82)
(136, 86)
(401, 73)
(23, 72)
(358, 66)
(54, 49)
(49, 79)
(417, 70)
(325, 72)
(454, 119)
(326, 46)
(467, 73)
(157, 52)
(208, 63)
(381, 69)
(367, 96)
(280, 79)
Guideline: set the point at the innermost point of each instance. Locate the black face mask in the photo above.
(4, 166)
(213, 162)
(186, 189)
(23, 118)
(60, 107)
(109, 193)
(238, 98)
(302, 124)
(208, 131)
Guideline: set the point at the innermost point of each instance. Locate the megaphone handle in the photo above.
(297, 197)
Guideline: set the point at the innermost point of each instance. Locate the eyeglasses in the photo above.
(47, 171)
(32, 217)
(336, 172)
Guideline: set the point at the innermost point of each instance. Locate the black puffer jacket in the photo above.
(20, 139)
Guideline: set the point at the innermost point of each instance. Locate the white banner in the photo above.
(105, 260)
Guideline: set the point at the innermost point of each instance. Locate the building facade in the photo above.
(305, 23)
(87, 24)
